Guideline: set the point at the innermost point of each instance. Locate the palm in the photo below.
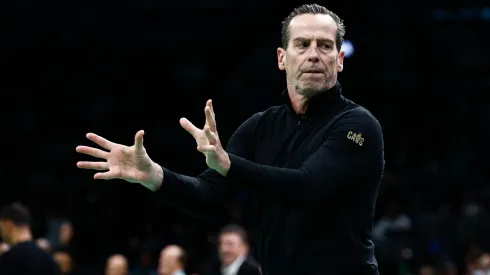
(200, 137)
(122, 162)
(129, 164)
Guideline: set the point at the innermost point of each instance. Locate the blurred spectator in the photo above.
(478, 262)
(172, 261)
(117, 265)
(66, 234)
(234, 258)
(65, 261)
(392, 222)
(24, 256)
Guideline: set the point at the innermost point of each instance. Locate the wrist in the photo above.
(156, 177)
(225, 165)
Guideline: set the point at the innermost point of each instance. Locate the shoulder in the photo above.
(251, 264)
(358, 128)
(249, 267)
(15, 255)
(360, 116)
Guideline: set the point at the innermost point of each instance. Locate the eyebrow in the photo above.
(309, 38)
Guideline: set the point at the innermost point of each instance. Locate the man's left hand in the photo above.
(208, 142)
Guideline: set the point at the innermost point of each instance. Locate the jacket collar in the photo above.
(319, 104)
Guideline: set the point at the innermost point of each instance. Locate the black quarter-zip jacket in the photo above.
(316, 177)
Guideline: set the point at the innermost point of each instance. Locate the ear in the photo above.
(281, 58)
(340, 61)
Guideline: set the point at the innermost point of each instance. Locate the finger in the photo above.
(210, 121)
(138, 139)
(211, 136)
(104, 143)
(94, 152)
(94, 165)
(206, 148)
(106, 175)
(210, 104)
(188, 126)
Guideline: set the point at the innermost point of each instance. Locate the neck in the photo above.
(299, 102)
(238, 259)
(21, 234)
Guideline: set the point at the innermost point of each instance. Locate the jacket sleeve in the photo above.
(352, 152)
(201, 196)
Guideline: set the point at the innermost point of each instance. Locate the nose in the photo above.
(313, 53)
(313, 59)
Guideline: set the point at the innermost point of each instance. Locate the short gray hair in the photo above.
(312, 9)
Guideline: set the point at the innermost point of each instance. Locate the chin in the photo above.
(311, 90)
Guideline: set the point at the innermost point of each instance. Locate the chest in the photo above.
(287, 141)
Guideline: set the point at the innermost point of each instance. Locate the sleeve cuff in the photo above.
(237, 168)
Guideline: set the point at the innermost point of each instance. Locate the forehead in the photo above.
(313, 26)
(116, 261)
(170, 253)
(230, 237)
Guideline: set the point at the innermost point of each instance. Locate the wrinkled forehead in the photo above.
(313, 26)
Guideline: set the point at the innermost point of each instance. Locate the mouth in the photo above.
(312, 72)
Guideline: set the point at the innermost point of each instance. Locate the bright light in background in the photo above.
(348, 48)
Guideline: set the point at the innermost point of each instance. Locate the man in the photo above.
(117, 265)
(64, 259)
(172, 261)
(315, 163)
(24, 256)
(65, 235)
(233, 254)
(478, 262)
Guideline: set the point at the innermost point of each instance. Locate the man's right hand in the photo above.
(131, 164)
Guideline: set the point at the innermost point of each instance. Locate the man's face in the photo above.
(230, 248)
(66, 233)
(311, 60)
(168, 262)
(6, 228)
(116, 266)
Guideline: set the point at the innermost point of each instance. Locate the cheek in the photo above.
(332, 61)
(292, 71)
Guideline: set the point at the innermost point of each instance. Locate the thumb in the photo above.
(138, 139)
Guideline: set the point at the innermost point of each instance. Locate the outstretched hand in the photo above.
(130, 163)
(208, 142)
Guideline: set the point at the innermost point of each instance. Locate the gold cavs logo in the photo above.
(356, 138)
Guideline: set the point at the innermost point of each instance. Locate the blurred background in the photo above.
(113, 68)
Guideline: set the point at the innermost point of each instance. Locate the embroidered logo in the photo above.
(356, 138)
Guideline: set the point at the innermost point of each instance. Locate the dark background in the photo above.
(114, 67)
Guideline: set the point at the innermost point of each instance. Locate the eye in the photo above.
(303, 44)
